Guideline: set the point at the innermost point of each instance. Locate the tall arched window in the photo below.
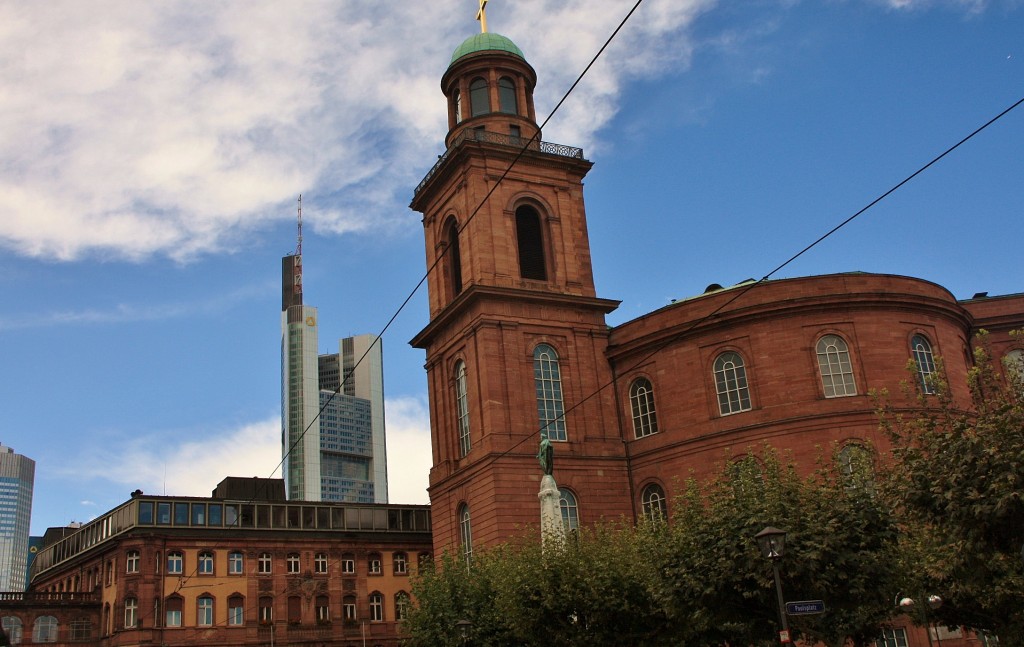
(836, 369)
(921, 349)
(530, 243)
(13, 628)
(731, 384)
(236, 610)
(641, 400)
(204, 611)
(653, 503)
(323, 609)
(457, 99)
(401, 606)
(45, 630)
(465, 533)
(454, 256)
(855, 466)
(570, 510)
(376, 607)
(1014, 363)
(462, 407)
(172, 610)
(548, 382)
(507, 96)
(479, 101)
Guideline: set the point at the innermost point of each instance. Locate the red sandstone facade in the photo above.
(652, 401)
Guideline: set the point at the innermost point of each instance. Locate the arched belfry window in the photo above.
(457, 100)
(454, 256)
(530, 241)
(462, 407)
(465, 533)
(507, 96)
(479, 100)
(547, 379)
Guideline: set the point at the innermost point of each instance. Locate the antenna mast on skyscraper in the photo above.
(298, 248)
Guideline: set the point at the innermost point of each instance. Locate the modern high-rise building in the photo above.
(332, 407)
(17, 474)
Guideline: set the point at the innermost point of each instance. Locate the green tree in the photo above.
(958, 479)
(840, 546)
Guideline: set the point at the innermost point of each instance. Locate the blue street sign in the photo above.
(807, 607)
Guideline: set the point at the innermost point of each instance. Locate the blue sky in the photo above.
(151, 155)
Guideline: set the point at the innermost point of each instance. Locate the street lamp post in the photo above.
(934, 602)
(772, 542)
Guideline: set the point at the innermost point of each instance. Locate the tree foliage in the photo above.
(958, 480)
(699, 580)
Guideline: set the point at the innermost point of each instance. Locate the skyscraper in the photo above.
(17, 474)
(332, 407)
(356, 373)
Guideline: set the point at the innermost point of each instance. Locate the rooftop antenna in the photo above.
(482, 16)
(298, 249)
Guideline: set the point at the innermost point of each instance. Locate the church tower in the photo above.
(515, 347)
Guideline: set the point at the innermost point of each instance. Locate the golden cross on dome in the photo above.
(482, 16)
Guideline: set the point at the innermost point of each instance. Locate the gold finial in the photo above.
(482, 16)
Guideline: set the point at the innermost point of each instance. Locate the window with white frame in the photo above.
(731, 383)
(374, 564)
(323, 609)
(401, 563)
(547, 379)
(653, 503)
(264, 564)
(131, 613)
(266, 610)
(376, 607)
(348, 608)
(641, 401)
(175, 563)
(13, 628)
(236, 563)
(206, 563)
(401, 606)
(462, 407)
(204, 611)
(348, 564)
(236, 611)
(132, 561)
(1014, 363)
(294, 565)
(896, 637)
(921, 350)
(172, 609)
(570, 510)
(44, 630)
(835, 367)
(465, 533)
(320, 563)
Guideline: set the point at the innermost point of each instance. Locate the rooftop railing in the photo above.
(484, 136)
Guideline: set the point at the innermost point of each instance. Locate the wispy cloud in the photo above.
(194, 467)
(132, 313)
(140, 129)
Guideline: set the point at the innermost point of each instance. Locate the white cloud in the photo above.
(409, 453)
(134, 129)
(194, 467)
(189, 468)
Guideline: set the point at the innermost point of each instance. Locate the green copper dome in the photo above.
(483, 43)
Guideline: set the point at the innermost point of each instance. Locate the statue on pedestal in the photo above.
(551, 528)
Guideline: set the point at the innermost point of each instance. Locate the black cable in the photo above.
(472, 215)
(746, 288)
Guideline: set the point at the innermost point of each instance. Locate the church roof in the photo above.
(486, 42)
